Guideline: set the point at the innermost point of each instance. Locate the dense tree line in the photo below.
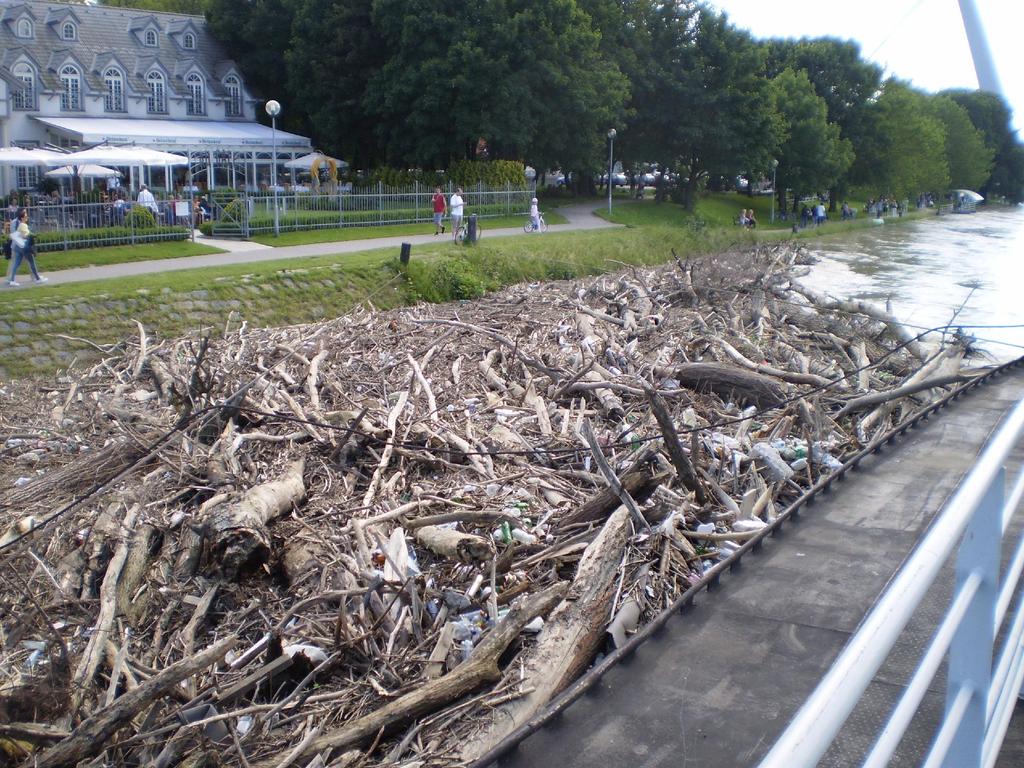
(422, 83)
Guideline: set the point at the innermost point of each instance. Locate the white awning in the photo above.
(177, 135)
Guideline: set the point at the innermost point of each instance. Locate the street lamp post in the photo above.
(274, 109)
(775, 165)
(611, 144)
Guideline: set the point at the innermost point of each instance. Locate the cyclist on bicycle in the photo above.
(535, 214)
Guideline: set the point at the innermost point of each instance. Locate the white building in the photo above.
(74, 76)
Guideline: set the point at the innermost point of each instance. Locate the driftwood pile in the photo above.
(392, 537)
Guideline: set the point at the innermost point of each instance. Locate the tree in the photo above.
(526, 77)
(334, 49)
(969, 159)
(256, 34)
(847, 83)
(194, 7)
(903, 152)
(990, 115)
(699, 102)
(812, 155)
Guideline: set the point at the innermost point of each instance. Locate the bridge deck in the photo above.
(718, 684)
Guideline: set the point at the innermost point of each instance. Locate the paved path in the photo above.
(243, 252)
(718, 684)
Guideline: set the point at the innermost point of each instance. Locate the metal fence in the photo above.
(982, 686)
(243, 214)
(60, 225)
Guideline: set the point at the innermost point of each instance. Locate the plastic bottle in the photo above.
(768, 457)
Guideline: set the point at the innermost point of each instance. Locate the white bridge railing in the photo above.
(982, 688)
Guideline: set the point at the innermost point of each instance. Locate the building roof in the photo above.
(176, 135)
(102, 32)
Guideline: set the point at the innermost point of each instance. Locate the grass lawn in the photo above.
(53, 261)
(343, 234)
(719, 210)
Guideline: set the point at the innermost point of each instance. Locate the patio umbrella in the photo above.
(20, 156)
(111, 155)
(969, 195)
(84, 171)
(306, 162)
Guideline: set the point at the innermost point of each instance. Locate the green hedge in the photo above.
(100, 236)
(494, 173)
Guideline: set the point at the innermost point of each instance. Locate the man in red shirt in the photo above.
(440, 209)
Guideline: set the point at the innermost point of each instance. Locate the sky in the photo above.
(918, 40)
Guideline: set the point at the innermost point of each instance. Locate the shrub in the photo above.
(445, 280)
(99, 236)
(233, 209)
(494, 173)
(140, 217)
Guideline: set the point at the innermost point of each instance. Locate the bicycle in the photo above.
(463, 232)
(541, 226)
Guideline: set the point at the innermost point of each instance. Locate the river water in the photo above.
(933, 267)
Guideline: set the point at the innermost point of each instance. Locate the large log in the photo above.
(638, 483)
(729, 382)
(569, 640)
(237, 525)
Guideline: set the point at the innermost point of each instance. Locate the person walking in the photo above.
(456, 208)
(440, 209)
(22, 247)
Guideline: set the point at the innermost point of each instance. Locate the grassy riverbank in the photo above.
(45, 330)
(54, 261)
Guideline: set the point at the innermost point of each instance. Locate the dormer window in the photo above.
(113, 99)
(188, 41)
(24, 97)
(71, 88)
(233, 86)
(24, 28)
(150, 38)
(156, 103)
(196, 102)
(68, 31)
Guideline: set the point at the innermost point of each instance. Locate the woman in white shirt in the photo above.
(21, 240)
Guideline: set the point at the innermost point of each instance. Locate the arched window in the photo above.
(25, 97)
(156, 103)
(71, 82)
(113, 100)
(233, 86)
(150, 38)
(67, 31)
(196, 104)
(24, 28)
(188, 41)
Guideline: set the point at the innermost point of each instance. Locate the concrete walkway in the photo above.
(717, 685)
(580, 217)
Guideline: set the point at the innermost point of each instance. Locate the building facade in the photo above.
(73, 76)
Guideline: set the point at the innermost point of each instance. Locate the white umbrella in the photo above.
(969, 195)
(20, 156)
(305, 163)
(110, 155)
(83, 171)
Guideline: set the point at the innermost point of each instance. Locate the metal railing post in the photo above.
(64, 221)
(970, 653)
